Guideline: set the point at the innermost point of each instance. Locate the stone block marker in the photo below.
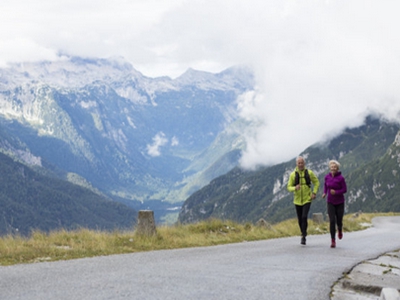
(263, 223)
(318, 218)
(146, 224)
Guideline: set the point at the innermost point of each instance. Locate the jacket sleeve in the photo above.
(343, 187)
(315, 181)
(290, 184)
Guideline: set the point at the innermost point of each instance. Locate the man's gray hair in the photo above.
(301, 157)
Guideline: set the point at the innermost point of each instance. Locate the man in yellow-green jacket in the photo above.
(304, 184)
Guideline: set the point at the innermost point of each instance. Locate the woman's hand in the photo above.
(323, 195)
(333, 192)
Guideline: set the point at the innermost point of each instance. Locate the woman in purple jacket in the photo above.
(335, 188)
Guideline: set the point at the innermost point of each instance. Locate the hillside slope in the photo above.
(367, 155)
(30, 201)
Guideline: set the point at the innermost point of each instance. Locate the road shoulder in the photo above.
(367, 279)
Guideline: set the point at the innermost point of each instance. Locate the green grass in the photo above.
(63, 245)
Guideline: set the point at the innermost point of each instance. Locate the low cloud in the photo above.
(330, 67)
(159, 140)
(174, 141)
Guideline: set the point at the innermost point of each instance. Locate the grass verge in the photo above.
(63, 245)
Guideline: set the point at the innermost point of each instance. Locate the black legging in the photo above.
(302, 216)
(335, 213)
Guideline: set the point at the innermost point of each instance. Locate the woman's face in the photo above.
(334, 168)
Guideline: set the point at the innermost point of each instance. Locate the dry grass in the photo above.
(63, 245)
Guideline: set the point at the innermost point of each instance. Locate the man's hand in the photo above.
(313, 196)
(297, 187)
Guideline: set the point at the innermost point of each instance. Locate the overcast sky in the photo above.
(320, 65)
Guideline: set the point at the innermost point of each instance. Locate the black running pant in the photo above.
(335, 213)
(302, 217)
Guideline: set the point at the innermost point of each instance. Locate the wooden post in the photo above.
(146, 223)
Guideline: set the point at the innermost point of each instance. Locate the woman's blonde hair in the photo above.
(334, 162)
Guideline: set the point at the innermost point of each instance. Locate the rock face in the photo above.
(367, 279)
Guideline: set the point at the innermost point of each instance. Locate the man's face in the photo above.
(300, 164)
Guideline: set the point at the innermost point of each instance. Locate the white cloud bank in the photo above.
(320, 65)
(331, 65)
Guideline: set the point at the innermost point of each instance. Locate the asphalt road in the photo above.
(270, 269)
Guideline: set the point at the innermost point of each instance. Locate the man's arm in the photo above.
(315, 181)
(290, 184)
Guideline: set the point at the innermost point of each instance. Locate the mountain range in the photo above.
(88, 142)
(370, 161)
(147, 143)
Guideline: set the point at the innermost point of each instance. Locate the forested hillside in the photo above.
(30, 200)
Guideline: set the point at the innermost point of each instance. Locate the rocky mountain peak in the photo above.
(69, 72)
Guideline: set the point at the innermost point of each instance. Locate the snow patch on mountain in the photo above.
(79, 72)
